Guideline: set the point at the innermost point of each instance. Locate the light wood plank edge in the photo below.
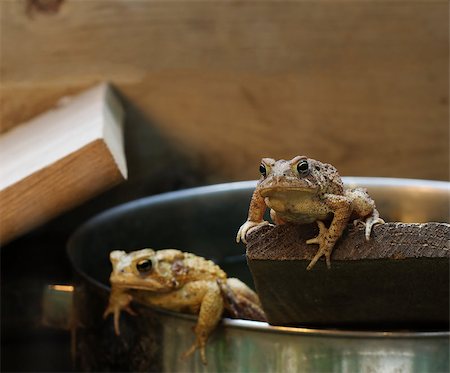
(72, 180)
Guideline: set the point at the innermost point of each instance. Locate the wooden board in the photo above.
(397, 280)
(360, 84)
(60, 159)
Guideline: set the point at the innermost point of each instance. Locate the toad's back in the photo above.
(198, 268)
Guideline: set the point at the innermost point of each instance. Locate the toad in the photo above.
(182, 282)
(303, 190)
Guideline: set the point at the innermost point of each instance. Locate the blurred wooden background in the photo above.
(210, 87)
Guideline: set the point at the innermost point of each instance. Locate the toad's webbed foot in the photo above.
(369, 222)
(247, 227)
(198, 345)
(325, 246)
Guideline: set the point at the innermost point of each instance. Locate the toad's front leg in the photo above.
(364, 208)
(118, 300)
(326, 239)
(211, 310)
(255, 216)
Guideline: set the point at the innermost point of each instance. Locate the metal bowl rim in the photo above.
(259, 326)
(239, 185)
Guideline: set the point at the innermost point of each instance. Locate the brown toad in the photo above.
(182, 282)
(304, 190)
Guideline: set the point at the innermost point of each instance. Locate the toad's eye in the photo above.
(303, 167)
(144, 266)
(262, 170)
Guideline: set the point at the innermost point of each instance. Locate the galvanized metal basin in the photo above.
(204, 221)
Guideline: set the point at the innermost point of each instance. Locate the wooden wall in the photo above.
(213, 86)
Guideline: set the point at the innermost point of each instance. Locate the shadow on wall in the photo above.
(155, 164)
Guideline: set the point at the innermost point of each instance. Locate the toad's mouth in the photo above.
(269, 191)
(137, 284)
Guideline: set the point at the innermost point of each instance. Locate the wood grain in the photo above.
(397, 280)
(362, 85)
(59, 160)
(388, 241)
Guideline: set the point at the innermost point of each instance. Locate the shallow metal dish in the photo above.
(204, 221)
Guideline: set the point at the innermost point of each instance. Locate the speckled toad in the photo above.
(182, 282)
(304, 190)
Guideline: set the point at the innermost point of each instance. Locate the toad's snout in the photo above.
(282, 177)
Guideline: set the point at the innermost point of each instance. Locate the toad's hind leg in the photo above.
(370, 221)
(364, 208)
(241, 301)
